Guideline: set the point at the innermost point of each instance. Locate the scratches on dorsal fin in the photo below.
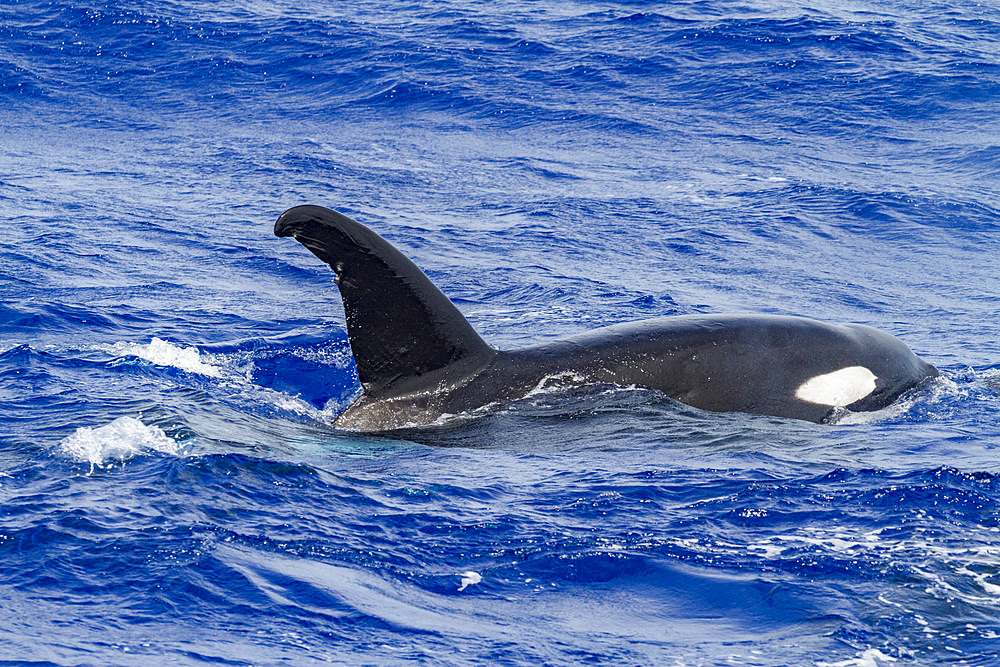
(400, 326)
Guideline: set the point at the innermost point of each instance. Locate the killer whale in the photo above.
(418, 358)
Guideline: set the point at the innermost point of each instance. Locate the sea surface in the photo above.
(172, 490)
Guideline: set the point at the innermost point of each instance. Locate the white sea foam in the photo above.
(290, 403)
(164, 353)
(937, 390)
(981, 579)
(469, 578)
(253, 394)
(870, 658)
(121, 439)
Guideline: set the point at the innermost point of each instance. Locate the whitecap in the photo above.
(164, 353)
(121, 439)
(469, 578)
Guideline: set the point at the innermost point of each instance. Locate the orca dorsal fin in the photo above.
(399, 324)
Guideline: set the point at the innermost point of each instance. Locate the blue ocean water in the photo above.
(171, 491)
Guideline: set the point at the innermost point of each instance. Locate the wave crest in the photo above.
(121, 439)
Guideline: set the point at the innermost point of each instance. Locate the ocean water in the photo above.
(171, 491)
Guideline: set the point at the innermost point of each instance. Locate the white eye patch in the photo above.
(838, 388)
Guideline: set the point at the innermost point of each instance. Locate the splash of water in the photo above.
(163, 353)
(119, 440)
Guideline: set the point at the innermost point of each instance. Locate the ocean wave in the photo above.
(163, 353)
(554, 168)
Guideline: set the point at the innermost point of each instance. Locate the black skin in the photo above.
(419, 359)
